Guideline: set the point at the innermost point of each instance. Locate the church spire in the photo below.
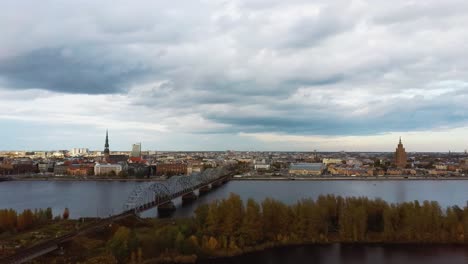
(106, 147)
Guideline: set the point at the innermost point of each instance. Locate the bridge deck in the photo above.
(48, 246)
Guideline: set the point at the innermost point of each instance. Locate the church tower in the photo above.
(400, 156)
(106, 148)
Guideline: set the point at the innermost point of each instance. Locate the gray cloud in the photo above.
(70, 70)
(295, 67)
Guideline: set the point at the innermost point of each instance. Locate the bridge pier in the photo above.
(191, 196)
(216, 184)
(203, 190)
(166, 208)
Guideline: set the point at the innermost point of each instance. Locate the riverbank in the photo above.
(234, 227)
(223, 256)
(342, 253)
(85, 179)
(346, 178)
(255, 178)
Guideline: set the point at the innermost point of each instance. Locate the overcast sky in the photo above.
(243, 75)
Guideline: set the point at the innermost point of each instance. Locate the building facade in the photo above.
(80, 170)
(107, 169)
(307, 168)
(136, 150)
(400, 156)
(171, 169)
(79, 151)
(60, 170)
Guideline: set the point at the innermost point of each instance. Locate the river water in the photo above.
(89, 198)
(353, 254)
(99, 198)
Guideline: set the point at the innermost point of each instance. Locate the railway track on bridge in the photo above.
(144, 197)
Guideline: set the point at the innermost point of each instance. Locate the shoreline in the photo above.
(82, 180)
(250, 178)
(275, 245)
(350, 178)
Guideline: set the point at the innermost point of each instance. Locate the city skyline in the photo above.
(137, 147)
(243, 75)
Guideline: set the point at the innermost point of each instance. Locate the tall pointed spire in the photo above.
(400, 139)
(106, 147)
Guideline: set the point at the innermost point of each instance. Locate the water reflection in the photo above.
(104, 198)
(353, 254)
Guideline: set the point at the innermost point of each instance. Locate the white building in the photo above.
(40, 154)
(353, 162)
(79, 151)
(136, 150)
(331, 161)
(261, 166)
(58, 154)
(105, 169)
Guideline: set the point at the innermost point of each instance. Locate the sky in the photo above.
(259, 75)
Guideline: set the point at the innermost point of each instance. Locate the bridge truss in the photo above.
(150, 194)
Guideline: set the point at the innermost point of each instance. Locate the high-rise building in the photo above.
(400, 156)
(79, 151)
(136, 150)
(106, 148)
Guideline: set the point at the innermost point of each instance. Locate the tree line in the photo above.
(10, 220)
(232, 226)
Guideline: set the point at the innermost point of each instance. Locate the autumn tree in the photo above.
(118, 245)
(251, 230)
(66, 214)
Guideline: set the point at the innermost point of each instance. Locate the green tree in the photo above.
(252, 232)
(118, 245)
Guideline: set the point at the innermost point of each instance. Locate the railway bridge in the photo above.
(144, 197)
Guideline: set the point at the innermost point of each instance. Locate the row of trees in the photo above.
(329, 218)
(10, 220)
(231, 226)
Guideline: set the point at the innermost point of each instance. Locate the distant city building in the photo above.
(261, 165)
(40, 154)
(353, 162)
(45, 167)
(307, 168)
(171, 169)
(138, 170)
(400, 156)
(80, 169)
(58, 154)
(117, 158)
(79, 152)
(136, 150)
(60, 170)
(332, 161)
(107, 169)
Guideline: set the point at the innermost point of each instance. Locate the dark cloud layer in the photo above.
(71, 71)
(293, 67)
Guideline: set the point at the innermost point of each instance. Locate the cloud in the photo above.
(292, 68)
(70, 70)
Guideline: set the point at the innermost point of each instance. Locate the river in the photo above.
(101, 198)
(353, 254)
